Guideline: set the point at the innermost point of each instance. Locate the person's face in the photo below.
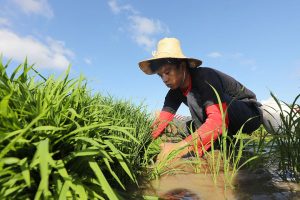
(171, 75)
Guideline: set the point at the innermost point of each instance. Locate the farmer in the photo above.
(199, 89)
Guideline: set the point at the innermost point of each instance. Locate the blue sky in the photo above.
(257, 42)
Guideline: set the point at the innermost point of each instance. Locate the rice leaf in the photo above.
(11, 144)
(118, 155)
(125, 131)
(80, 191)
(64, 191)
(43, 153)
(85, 128)
(4, 107)
(89, 140)
(87, 152)
(25, 171)
(10, 160)
(112, 172)
(48, 128)
(102, 180)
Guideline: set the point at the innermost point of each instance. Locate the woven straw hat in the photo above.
(167, 48)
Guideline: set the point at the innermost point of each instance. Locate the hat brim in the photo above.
(147, 68)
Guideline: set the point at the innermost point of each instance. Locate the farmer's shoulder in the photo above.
(203, 72)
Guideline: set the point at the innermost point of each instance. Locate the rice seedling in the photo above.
(286, 151)
(58, 141)
(261, 145)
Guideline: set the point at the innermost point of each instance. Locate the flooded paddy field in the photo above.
(186, 184)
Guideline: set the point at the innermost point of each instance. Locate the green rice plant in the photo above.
(262, 145)
(231, 151)
(287, 141)
(57, 141)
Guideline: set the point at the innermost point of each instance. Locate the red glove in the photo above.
(211, 129)
(161, 123)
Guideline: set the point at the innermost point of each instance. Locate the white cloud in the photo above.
(117, 8)
(88, 61)
(142, 29)
(53, 54)
(39, 7)
(215, 54)
(4, 22)
(145, 41)
(144, 25)
(59, 47)
(114, 6)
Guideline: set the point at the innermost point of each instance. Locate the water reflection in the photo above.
(180, 194)
(262, 184)
(258, 184)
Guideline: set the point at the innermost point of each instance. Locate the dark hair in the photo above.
(156, 64)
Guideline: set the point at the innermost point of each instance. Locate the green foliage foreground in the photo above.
(59, 141)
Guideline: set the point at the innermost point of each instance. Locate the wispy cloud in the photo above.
(88, 61)
(237, 57)
(143, 30)
(215, 54)
(51, 54)
(38, 7)
(4, 22)
(144, 25)
(116, 8)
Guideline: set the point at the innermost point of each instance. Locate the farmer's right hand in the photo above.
(162, 122)
(171, 128)
(155, 133)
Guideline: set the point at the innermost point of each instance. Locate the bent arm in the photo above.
(209, 131)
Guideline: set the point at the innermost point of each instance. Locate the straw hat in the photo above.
(167, 48)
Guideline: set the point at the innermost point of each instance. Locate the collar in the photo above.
(185, 92)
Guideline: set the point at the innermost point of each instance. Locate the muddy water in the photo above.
(259, 184)
(189, 187)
